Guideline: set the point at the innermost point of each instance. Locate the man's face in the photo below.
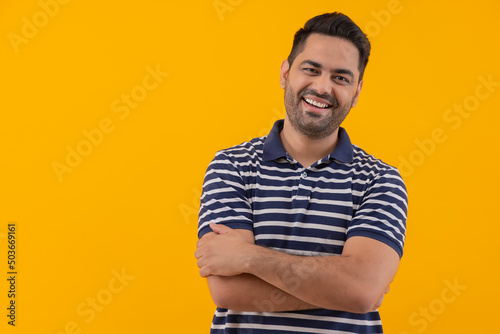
(321, 86)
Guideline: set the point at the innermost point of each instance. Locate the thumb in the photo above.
(219, 229)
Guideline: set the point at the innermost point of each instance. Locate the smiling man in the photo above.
(301, 231)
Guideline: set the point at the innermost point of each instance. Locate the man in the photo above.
(301, 231)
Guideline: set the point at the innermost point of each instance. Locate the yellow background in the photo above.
(130, 204)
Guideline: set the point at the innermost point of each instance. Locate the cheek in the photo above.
(345, 96)
(299, 83)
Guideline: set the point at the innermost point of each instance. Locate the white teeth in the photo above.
(316, 104)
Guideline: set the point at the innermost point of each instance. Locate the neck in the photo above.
(304, 149)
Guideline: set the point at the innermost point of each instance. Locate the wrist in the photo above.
(252, 259)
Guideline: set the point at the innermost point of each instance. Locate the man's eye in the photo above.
(310, 70)
(341, 79)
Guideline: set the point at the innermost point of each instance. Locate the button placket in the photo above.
(303, 193)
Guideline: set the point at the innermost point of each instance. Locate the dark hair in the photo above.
(336, 25)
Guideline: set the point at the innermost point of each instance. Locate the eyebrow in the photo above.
(318, 65)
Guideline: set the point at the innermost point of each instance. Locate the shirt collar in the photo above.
(273, 148)
(344, 151)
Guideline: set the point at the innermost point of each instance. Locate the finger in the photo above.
(219, 229)
(379, 303)
(198, 254)
(199, 264)
(204, 272)
(204, 239)
(200, 242)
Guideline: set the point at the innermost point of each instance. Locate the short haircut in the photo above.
(337, 25)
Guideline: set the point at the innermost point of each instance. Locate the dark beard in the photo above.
(314, 130)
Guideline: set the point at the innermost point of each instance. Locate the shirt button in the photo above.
(304, 175)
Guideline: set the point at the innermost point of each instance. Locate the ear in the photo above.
(285, 68)
(356, 96)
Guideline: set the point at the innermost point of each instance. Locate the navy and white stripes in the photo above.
(306, 211)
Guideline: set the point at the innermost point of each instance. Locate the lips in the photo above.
(316, 103)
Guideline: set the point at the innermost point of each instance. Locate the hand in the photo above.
(223, 253)
(379, 302)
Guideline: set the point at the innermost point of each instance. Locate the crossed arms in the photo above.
(246, 277)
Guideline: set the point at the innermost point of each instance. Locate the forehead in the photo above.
(331, 52)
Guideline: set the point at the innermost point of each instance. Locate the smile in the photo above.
(317, 104)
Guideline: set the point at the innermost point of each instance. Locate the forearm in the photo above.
(353, 281)
(251, 294)
(347, 282)
(310, 278)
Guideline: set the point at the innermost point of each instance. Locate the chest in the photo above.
(303, 211)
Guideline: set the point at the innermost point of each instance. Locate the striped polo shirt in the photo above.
(310, 211)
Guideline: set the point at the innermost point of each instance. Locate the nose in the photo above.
(322, 84)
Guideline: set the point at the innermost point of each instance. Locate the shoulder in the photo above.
(242, 153)
(374, 175)
(372, 165)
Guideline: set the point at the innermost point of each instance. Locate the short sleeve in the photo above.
(383, 210)
(224, 197)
